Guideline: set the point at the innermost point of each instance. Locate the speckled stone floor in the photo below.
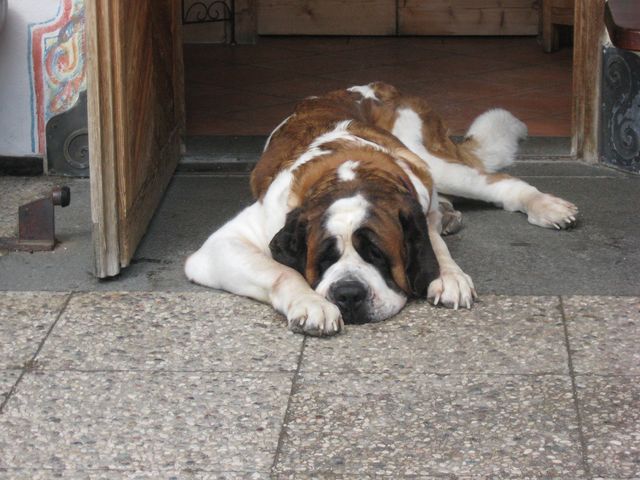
(148, 377)
(207, 385)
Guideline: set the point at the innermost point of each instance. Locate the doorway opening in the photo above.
(236, 94)
(249, 89)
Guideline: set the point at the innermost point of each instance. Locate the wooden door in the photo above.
(136, 119)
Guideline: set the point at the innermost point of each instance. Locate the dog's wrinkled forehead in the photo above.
(345, 216)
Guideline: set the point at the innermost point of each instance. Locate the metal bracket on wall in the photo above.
(68, 141)
(36, 223)
(203, 11)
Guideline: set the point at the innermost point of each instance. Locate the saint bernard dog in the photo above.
(348, 219)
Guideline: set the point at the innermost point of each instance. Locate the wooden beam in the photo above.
(589, 36)
(102, 138)
(246, 21)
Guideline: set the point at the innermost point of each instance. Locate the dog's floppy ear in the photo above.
(421, 266)
(289, 245)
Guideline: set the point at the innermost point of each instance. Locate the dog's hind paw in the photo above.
(312, 315)
(451, 222)
(453, 289)
(549, 211)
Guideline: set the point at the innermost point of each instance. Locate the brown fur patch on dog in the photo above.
(382, 174)
(436, 136)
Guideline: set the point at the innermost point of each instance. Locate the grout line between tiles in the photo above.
(287, 412)
(574, 392)
(190, 470)
(29, 364)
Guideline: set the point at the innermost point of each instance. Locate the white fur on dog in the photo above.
(343, 218)
(498, 133)
(365, 90)
(347, 171)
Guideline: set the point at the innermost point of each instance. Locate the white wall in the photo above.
(16, 102)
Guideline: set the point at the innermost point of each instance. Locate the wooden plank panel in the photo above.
(136, 119)
(468, 17)
(327, 17)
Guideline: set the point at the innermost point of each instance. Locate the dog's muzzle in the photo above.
(350, 296)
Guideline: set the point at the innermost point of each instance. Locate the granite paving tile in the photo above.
(499, 334)
(22, 474)
(170, 331)
(604, 334)
(473, 425)
(25, 319)
(610, 408)
(144, 421)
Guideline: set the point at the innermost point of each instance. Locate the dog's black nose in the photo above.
(349, 296)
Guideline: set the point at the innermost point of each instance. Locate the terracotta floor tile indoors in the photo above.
(248, 89)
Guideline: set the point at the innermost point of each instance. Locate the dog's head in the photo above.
(366, 251)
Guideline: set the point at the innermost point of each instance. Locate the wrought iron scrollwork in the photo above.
(203, 11)
(625, 125)
(621, 109)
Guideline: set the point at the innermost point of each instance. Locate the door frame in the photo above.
(102, 68)
(589, 36)
(101, 110)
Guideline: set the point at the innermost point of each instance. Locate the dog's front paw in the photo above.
(453, 289)
(313, 315)
(548, 211)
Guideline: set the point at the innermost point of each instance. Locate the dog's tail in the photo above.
(493, 137)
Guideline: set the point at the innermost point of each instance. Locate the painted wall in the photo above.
(41, 70)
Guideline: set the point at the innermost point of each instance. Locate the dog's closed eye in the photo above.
(369, 251)
(327, 256)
